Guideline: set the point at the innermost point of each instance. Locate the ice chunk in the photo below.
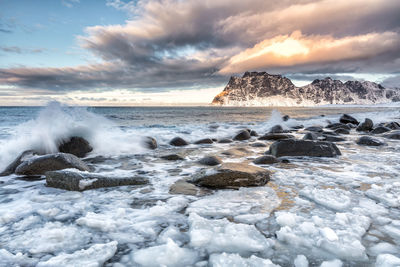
(387, 260)
(336, 199)
(94, 256)
(329, 234)
(285, 219)
(332, 263)
(388, 194)
(235, 260)
(383, 248)
(169, 254)
(223, 236)
(301, 261)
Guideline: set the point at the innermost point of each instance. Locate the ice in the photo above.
(285, 219)
(85, 183)
(223, 236)
(94, 256)
(300, 261)
(388, 194)
(19, 259)
(332, 263)
(335, 199)
(387, 260)
(235, 260)
(383, 248)
(329, 234)
(169, 254)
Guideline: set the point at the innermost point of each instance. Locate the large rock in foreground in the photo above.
(40, 164)
(79, 181)
(10, 169)
(77, 146)
(232, 175)
(303, 148)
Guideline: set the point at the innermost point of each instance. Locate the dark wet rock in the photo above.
(150, 142)
(79, 181)
(285, 161)
(10, 169)
(210, 161)
(204, 141)
(76, 145)
(30, 178)
(366, 126)
(285, 118)
(97, 159)
(276, 129)
(178, 141)
(310, 136)
(393, 135)
(303, 148)
(380, 129)
(258, 144)
(392, 125)
(342, 131)
(330, 133)
(297, 127)
(242, 135)
(38, 165)
(232, 175)
(369, 141)
(273, 136)
(224, 141)
(334, 126)
(182, 187)
(267, 159)
(345, 118)
(253, 133)
(332, 138)
(173, 157)
(314, 129)
(351, 125)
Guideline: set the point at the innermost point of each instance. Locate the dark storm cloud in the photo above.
(172, 43)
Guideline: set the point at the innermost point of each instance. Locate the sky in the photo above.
(182, 52)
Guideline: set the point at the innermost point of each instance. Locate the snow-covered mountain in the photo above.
(263, 89)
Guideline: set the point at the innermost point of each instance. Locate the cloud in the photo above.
(19, 50)
(174, 44)
(69, 3)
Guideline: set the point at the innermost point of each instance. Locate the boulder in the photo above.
(173, 157)
(79, 181)
(297, 127)
(334, 126)
(242, 135)
(182, 187)
(232, 175)
(303, 148)
(10, 169)
(224, 141)
(341, 131)
(276, 129)
(204, 141)
(273, 136)
(253, 133)
(393, 135)
(150, 143)
(345, 118)
(380, 129)
(392, 125)
(332, 138)
(366, 126)
(314, 129)
(177, 141)
(38, 165)
(258, 144)
(210, 161)
(369, 141)
(267, 159)
(76, 145)
(285, 117)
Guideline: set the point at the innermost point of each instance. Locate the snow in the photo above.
(300, 261)
(235, 260)
(85, 183)
(335, 199)
(332, 263)
(95, 256)
(387, 260)
(19, 259)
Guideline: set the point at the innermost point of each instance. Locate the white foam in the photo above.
(229, 260)
(387, 260)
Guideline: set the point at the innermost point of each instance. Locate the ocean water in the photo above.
(340, 211)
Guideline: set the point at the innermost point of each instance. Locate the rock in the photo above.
(314, 129)
(182, 187)
(272, 136)
(224, 141)
(332, 138)
(258, 144)
(329, 133)
(173, 157)
(366, 126)
(297, 127)
(232, 175)
(380, 129)
(310, 136)
(334, 126)
(345, 118)
(10, 169)
(76, 145)
(393, 135)
(392, 125)
(253, 133)
(303, 148)
(238, 152)
(276, 129)
(285, 118)
(177, 141)
(210, 161)
(369, 141)
(79, 181)
(40, 164)
(204, 141)
(342, 131)
(242, 135)
(267, 159)
(150, 143)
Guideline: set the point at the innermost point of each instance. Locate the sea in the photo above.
(342, 211)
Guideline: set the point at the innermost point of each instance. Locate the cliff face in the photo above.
(261, 88)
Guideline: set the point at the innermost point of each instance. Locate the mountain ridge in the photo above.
(264, 89)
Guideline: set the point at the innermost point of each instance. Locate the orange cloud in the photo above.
(298, 49)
